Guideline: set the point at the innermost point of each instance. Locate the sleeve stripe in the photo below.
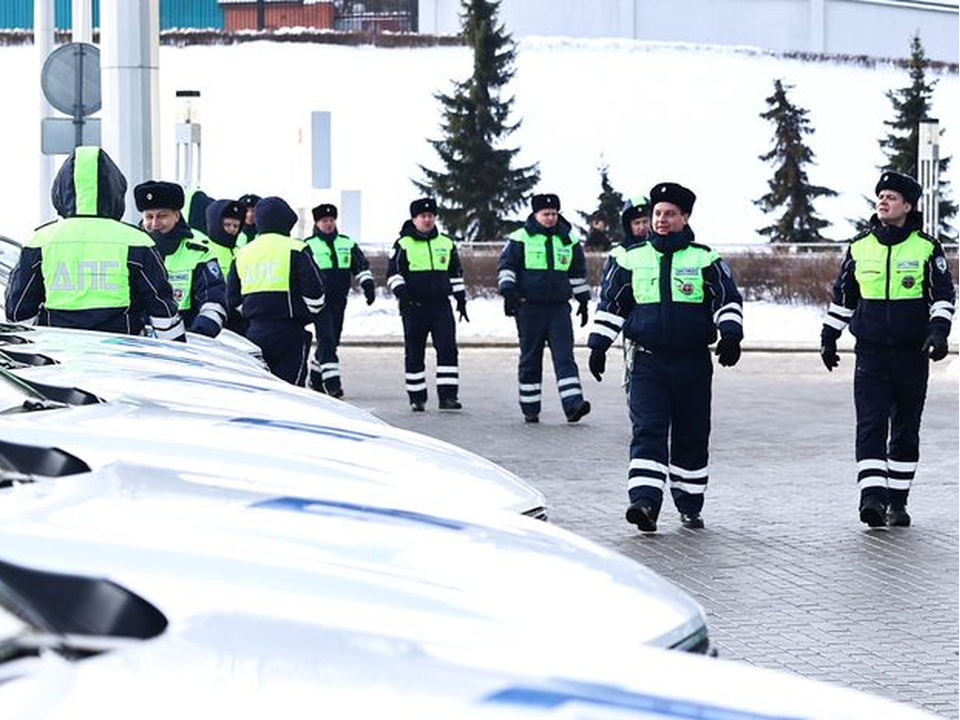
(608, 318)
(605, 330)
(835, 323)
(840, 310)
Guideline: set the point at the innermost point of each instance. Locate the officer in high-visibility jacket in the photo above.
(670, 296)
(224, 218)
(339, 259)
(276, 284)
(423, 271)
(542, 265)
(90, 270)
(194, 272)
(896, 293)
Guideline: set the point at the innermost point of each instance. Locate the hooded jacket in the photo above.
(88, 270)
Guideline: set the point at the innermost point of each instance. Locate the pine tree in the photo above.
(609, 205)
(911, 105)
(478, 189)
(790, 188)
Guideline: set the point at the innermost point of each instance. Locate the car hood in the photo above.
(466, 581)
(240, 665)
(351, 461)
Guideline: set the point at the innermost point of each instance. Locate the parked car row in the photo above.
(181, 533)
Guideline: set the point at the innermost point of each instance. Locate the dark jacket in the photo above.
(549, 285)
(95, 210)
(337, 279)
(426, 285)
(894, 322)
(668, 325)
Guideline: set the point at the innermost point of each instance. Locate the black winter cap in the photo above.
(273, 215)
(903, 184)
(545, 201)
(634, 208)
(248, 201)
(324, 210)
(422, 205)
(675, 194)
(157, 195)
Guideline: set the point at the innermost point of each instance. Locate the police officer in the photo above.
(896, 293)
(276, 284)
(339, 259)
(669, 295)
(224, 218)
(541, 266)
(90, 270)
(423, 271)
(248, 228)
(196, 276)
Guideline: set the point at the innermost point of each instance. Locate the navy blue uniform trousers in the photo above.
(889, 390)
(670, 395)
(285, 347)
(328, 328)
(420, 320)
(539, 326)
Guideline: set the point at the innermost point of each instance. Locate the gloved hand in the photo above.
(728, 350)
(462, 309)
(369, 292)
(598, 363)
(582, 312)
(935, 345)
(511, 303)
(828, 353)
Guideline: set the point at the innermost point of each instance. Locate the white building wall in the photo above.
(879, 28)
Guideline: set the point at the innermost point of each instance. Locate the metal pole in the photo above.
(928, 152)
(43, 43)
(78, 105)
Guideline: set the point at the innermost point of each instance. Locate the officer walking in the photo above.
(339, 259)
(196, 276)
(276, 285)
(896, 293)
(89, 270)
(423, 271)
(541, 266)
(670, 296)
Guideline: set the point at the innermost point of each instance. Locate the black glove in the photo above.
(369, 292)
(582, 312)
(511, 303)
(598, 363)
(828, 353)
(728, 350)
(935, 345)
(462, 309)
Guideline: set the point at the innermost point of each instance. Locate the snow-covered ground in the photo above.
(651, 111)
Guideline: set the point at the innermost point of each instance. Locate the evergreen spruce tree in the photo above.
(478, 189)
(911, 105)
(609, 205)
(789, 188)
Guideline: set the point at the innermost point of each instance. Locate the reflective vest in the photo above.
(223, 255)
(264, 264)
(180, 266)
(84, 262)
(891, 272)
(686, 273)
(426, 255)
(340, 258)
(535, 251)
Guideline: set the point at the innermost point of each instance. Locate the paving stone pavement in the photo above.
(789, 577)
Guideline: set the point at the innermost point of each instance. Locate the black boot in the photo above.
(873, 512)
(642, 515)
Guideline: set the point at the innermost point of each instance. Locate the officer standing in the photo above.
(339, 259)
(223, 228)
(424, 270)
(89, 270)
(670, 296)
(276, 285)
(896, 293)
(541, 266)
(248, 228)
(196, 276)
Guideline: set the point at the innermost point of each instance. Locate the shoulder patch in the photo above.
(941, 263)
(214, 267)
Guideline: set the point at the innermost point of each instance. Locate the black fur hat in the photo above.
(422, 205)
(545, 201)
(324, 210)
(158, 194)
(274, 215)
(673, 193)
(248, 201)
(903, 184)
